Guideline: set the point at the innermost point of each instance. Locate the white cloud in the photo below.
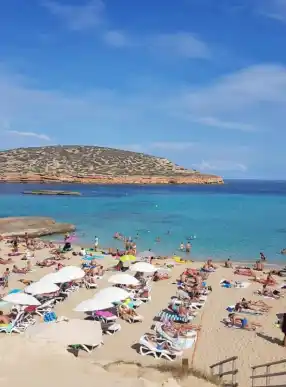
(217, 123)
(182, 44)
(77, 17)
(220, 166)
(116, 38)
(29, 134)
(274, 9)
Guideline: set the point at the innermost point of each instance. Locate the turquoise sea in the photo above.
(237, 220)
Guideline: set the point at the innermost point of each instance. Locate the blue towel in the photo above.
(13, 291)
(171, 316)
(50, 317)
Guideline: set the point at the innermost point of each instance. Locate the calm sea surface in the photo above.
(235, 220)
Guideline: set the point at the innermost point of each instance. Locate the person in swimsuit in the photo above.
(4, 319)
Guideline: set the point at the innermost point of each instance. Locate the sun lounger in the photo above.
(89, 285)
(129, 314)
(104, 315)
(14, 326)
(110, 328)
(87, 348)
(158, 347)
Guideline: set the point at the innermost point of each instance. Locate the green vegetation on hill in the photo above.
(76, 160)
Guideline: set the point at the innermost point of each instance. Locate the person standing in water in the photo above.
(182, 247)
(96, 243)
(188, 247)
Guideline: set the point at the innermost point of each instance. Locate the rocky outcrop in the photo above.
(96, 165)
(52, 192)
(33, 226)
(195, 178)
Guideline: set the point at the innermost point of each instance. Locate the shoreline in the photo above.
(179, 179)
(199, 260)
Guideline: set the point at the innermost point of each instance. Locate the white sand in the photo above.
(215, 342)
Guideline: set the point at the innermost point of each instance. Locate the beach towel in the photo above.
(50, 317)
(163, 315)
(242, 285)
(231, 309)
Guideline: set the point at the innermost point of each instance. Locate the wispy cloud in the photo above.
(77, 17)
(29, 134)
(274, 9)
(246, 89)
(116, 38)
(220, 166)
(92, 15)
(182, 44)
(217, 123)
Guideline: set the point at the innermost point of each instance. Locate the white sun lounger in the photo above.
(155, 348)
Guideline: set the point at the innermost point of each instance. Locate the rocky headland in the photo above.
(34, 226)
(94, 165)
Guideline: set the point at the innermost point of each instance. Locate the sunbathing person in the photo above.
(261, 305)
(245, 306)
(241, 322)
(244, 271)
(160, 276)
(17, 270)
(4, 318)
(160, 344)
(268, 281)
(5, 261)
(48, 262)
(270, 293)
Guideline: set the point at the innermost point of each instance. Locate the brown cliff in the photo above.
(94, 165)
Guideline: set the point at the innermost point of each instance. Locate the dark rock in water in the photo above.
(34, 226)
(52, 193)
(283, 251)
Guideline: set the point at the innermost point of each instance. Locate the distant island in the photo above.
(52, 192)
(94, 165)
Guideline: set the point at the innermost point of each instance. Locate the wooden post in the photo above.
(267, 377)
(185, 366)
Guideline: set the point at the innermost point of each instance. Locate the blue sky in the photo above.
(202, 82)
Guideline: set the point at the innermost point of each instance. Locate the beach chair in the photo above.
(110, 328)
(87, 348)
(129, 314)
(158, 347)
(88, 284)
(104, 315)
(14, 325)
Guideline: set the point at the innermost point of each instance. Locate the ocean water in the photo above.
(237, 220)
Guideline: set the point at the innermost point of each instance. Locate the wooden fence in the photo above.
(268, 375)
(222, 373)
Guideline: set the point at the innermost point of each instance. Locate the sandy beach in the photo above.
(215, 341)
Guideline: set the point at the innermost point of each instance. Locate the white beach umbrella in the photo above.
(41, 287)
(72, 272)
(67, 332)
(113, 294)
(143, 267)
(92, 304)
(55, 278)
(21, 299)
(123, 279)
(146, 254)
